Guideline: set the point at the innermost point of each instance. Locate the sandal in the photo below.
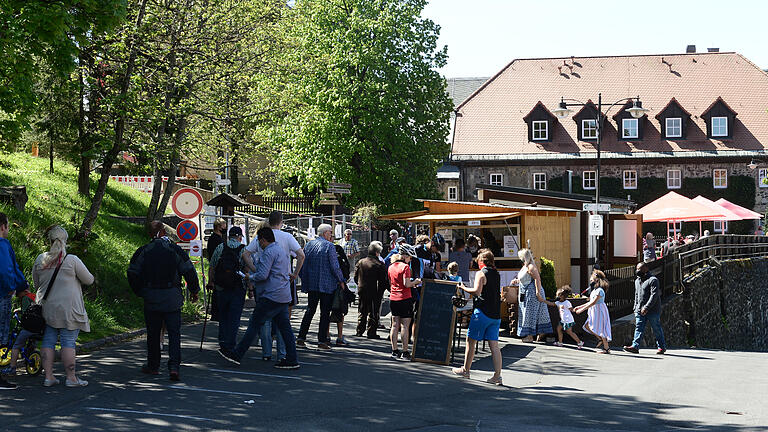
(604, 351)
(493, 380)
(48, 383)
(461, 372)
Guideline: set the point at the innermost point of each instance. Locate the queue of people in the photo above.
(263, 269)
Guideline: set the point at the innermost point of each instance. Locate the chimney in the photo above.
(690, 49)
(713, 49)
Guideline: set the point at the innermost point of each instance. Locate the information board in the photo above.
(435, 322)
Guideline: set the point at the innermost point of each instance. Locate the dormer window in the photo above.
(673, 120)
(540, 122)
(720, 120)
(586, 122)
(629, 127)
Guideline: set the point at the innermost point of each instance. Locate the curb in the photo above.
(109, 340)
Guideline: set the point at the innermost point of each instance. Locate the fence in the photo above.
(679, 262)
(140, 183)
(287, 204)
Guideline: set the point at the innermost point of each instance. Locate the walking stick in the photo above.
(206, 303)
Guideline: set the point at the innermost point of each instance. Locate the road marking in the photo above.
(181, 387)
(255, 374)
(148, 413)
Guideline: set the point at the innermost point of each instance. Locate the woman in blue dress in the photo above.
(533, 313)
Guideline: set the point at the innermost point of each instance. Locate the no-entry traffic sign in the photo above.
(195, 248)
(187, 203)
(187, 230)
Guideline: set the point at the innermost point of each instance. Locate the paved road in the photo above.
(360, 388)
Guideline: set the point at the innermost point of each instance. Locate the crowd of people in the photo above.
(266, 270)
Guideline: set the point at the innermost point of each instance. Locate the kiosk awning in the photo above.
(463, 217)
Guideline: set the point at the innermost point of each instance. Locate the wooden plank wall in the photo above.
(550, 236)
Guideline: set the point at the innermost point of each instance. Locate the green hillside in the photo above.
(53, 199)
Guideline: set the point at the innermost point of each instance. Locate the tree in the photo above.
(40, 32)
(370, 108)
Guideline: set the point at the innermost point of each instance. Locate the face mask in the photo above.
(639, 273)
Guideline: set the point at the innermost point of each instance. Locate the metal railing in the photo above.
(678, 262)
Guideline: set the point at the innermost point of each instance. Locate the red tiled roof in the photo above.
(491, 118)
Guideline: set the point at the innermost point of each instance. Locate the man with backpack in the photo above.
(226, 273)
(155, 274)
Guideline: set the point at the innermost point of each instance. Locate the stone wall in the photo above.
(722, 307)
(522, 176)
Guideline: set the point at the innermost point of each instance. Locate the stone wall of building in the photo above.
(522, 176)
(444, 184)
(721, 307)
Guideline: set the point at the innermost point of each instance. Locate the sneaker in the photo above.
(341, 343)
(174, 376)
(77, 383)
(301, 343)
(53, 382)
(581, 345)
(496, 381)
(229, 356)
(661, 351)
(405, 355)
(148, 371)
(10, 370)
(5, 385)
(559, 344)
(631, 349)
(323, 346)
(285, 364)
(396, 354)
(267, 358)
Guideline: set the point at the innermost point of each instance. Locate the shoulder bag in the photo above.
(32, 319)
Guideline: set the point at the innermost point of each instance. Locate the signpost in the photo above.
(331, 197)
(187, 230)
(600, 208)
(187, 203)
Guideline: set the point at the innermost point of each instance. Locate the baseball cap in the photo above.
(235, 231)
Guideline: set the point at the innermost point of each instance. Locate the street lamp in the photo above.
(562, 111)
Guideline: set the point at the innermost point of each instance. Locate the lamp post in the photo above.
(562, 111)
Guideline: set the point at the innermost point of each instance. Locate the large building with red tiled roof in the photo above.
(707, 119)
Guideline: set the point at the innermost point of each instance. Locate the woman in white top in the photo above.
(63, 309)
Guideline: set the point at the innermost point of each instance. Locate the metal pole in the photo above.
(599, 133)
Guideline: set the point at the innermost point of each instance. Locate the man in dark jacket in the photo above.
(372, 281)
(155, 275)
(647, 309)
(218, 236)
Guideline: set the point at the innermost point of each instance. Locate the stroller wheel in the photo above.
(5, 356)
(34, 364)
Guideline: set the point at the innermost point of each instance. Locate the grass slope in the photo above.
(53, 199)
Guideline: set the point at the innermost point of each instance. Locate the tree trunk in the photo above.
(233, 174)
(84, 170)
(181, 130)
(50, 157)
(117, 143)
(157, 186)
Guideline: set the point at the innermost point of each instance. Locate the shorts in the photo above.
(402, 308)
(483, 328)
(21, 339)
(67, 337)
(566, 326)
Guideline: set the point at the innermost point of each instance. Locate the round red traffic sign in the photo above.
(195, 248)
(186, 230)
(187, 203)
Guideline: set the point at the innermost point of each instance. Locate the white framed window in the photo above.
(674, 179)
(496, 179)
(762, 177)
(589, 180)
(540, 181)
(630, 179)
(453, 193)
(629, 128)
(588, 129)
(540, 130)
(720, 178)
(721, 227)
(674, 127)
(674, 227)
(719, 126)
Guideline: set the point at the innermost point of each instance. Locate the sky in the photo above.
(484, 35)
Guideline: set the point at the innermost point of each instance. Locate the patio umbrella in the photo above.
(743, 213)
(729, 215)
(674, 207)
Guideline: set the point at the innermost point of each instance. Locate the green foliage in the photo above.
(368, 106)
(53, 199)
(548, 277)
(740, 190)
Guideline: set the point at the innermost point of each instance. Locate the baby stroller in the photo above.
(28, 352)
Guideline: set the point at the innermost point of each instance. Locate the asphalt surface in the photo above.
(361, 388)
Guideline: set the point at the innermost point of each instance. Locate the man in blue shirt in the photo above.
(320, 277)
(11, 280)
(274, 269)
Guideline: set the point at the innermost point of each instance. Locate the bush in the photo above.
(548, 277)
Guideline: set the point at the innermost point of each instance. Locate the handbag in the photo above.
(32, 319)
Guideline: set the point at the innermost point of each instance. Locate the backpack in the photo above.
(227, 268)
(343, 261)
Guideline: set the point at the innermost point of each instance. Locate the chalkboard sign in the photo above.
(434, 322)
